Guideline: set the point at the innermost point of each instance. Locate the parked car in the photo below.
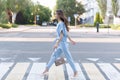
(44, 23)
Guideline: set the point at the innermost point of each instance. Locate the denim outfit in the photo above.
(62, 48)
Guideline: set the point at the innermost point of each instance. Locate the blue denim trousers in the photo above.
(62, 48)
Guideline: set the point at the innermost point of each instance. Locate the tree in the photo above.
(115, 7)
(44, 12)
(98, 19)
(70, 7)
(3, 15)
(17, 5)
(14, 5)
(103, 7)
(26, 11)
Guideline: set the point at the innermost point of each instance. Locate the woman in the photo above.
(61, 44)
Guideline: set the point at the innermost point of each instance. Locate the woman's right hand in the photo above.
(56, 46)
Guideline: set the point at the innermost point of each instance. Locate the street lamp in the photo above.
(75, 16)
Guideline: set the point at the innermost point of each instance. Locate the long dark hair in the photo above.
(63, 18)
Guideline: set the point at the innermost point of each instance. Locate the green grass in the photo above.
(116, 27)
(92, 25)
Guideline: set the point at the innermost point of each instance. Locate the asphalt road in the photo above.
(22, 50)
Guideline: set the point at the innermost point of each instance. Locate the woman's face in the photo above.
(56, 16)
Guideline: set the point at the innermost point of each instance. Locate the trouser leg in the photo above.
(68, 56)
(54, 56)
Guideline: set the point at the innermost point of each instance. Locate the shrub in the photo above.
(117, 27)
(86, 25)
(105, 26)
(92, 25)
(7, 26)
(14, 25)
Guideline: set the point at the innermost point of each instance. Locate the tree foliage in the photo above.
(17, 5)
(98, 19)
(26, 8)
(70, 7)
(115, 7)
(103, 7)
(3, 16)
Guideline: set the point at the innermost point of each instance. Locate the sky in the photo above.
(47, 3)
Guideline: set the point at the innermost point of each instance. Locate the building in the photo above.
(91, 7)
(117, 19)
(110, 18)
(119, 8)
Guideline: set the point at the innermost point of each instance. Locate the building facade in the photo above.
(91, 7)
(119, 8)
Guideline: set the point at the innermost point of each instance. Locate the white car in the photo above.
(44, 24)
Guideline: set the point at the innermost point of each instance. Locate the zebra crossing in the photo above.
(32, 71)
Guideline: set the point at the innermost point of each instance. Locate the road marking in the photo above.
(18, 71)
(56, 73)
(117, 59)
(117, 65)
(34, 59)
(93, 72)
(70, 72)
(36, 71)
(4, 67)
(110, 71)
(93, 59)
(4, 59)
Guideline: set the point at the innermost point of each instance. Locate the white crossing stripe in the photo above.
(4, 67)
(93, 59)
(117, 65)
(70, 72)
(36, 71)
(18, 71)
(93, 72)
(56, 73)
(110, 71)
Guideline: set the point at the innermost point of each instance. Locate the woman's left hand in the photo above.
(73, 42)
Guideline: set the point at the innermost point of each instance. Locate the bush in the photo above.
(86, 25)
(117, 27)
(14, 25)
(105, 26)
(92, 25)
(7, 26)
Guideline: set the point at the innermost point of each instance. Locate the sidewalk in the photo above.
(50, 32)
(47, 28)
